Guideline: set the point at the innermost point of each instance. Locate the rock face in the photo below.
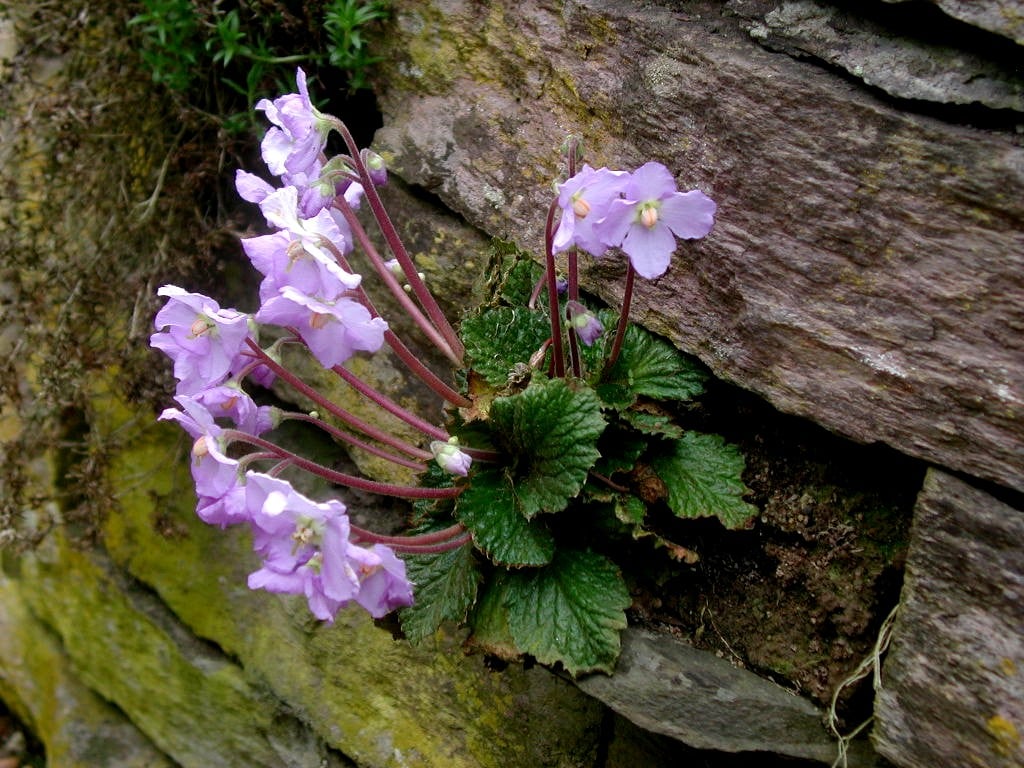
(865, 273)
(953, 686)
(866, 267)
(673, 689)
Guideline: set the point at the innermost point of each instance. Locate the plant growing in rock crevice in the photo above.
(558, 440)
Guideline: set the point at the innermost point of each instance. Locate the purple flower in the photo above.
(652, 213)
(383, 585)
(450, 458)
(314, 192)
(235, 404)
(202, 339)
(299, 254)
(584, 200)
(299, 134)
(221, 498)
(584, 322)
(304, 545)
(332, 329)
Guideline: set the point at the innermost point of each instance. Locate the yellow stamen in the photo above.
(318, 320)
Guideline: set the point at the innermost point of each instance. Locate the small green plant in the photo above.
(559, 450)
(346, 22)
(184, 42)
(172, 46)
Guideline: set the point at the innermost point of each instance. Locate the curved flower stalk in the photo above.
(310, 290)
(539, 431)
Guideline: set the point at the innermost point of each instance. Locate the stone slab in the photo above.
(1003, 17)
(77, 728)
(668, 687)
(953, 682)
(899, 63)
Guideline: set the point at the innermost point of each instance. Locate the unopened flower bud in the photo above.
(450, 458)
(376, 166)
(584, 322)
(537, 358)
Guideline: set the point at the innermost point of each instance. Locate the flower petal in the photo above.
(688, 214)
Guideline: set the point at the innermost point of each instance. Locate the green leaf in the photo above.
(488, 509)
(497, 339)
(652, 422)
(570, 611)
(651, 367)
(631, 511)
(551, 430)
(445, 588)
(620, 448)
(511, 276)
(490, 620)
(703, 475)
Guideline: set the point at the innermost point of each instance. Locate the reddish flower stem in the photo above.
(435, 537)
(427, 376)
(356, 227)
(340, 413)
(433, 549)
(558, 362)
(351, 439)
(342, 478)
(390, 405)
(387, 228)
(620, 330)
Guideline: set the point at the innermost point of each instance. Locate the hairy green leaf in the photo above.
(497, 339)
(620, 448)
(488, 509)
(703, 475)
(551, 430)
(651, 367)
(570, 611)
(489, 620)
(445, 588)
(652, 422)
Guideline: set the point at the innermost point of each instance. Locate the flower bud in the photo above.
(584, 322)
(450, 458)
(537, 358)
(376, 166)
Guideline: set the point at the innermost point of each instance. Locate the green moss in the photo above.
(77, 728)
(378, 700)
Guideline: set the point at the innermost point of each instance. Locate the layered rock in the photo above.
(953, 685)
(865, 270)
